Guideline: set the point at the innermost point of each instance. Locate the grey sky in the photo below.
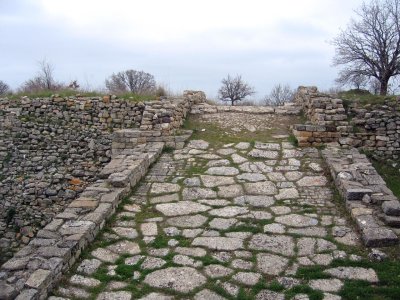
(184, 44)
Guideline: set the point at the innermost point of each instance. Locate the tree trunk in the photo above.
(384, 86)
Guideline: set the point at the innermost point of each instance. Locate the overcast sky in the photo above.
(184, 44)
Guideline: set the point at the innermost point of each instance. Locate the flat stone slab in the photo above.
(267, 146)
(120, 295)
(295, 220)
(260, 188)
(256, 201)
(238, 159)
(223, 171)
(164, 188)
(181, 208)
(379, 237)
(217, 271)
(326, 285)
(257, 153)
(229, 211)
(289, 193)
(129, 233)
(230, 191)
(213, 181)
(218, 243)
(198, 144)
(194, 193)
(271, 295)
(280, 244)
(252, 177)
(271, 264)
(208, 295)
(188, 221)
(180, 279)
(247, 278)
(222, 223)
(104, 255)
(355, 273)
(156, 296)
(312, 181)
(124, 247)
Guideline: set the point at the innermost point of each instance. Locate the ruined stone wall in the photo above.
(52, 148)
(326, 115)
(35, 269)
(376, 128)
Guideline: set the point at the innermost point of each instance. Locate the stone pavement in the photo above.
(216, 222)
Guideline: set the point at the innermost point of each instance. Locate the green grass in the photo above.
(390, 174)
(363, 97)
(293, 140)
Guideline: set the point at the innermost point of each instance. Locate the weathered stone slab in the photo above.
(187, 221)
(354, 273)
(271, 264)
(222, 171)
(295, 220)
(218, 243)
(181, 208)
(261, 188)
(281, 244)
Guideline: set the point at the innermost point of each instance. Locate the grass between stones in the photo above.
(390, 174)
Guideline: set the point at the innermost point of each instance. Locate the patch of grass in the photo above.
(390, 174)
(293, 140)
(208, 260)
(363, 97)
(195, 170)
(125, 271)
(168, 149)
(311, 272)
(10, 214)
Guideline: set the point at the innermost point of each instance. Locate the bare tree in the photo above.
(4, 88)
(370, 46)
(356, 80)
(137, 82)
(279, 95)
(44, 80)
(374, 86)
(234, 89)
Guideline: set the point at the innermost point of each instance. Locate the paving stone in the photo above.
(198, 144)
(229, 211)
(312, 181)
(391, 208)
(247, 278)
(276, 176)
(120, 295)
(172, 231)
(258, 215)
(252, 177)
(129, 233)
(242, 145)
(238, 159)
(288, 282)
(151, 263)
(223, 171)
(88, 266)
(280, 244)
(218, 243)
(181, 208)
(293, 175)
(227, 151)
(156, 296)
(255, 167)
(180, 279)
(290, 153)
(193, 221)
(271, 264)
(221, 223)
(241, 264)
(296, 220)
(163, 188)
(207, 295)
(164, 199)
(74, 292)
(134, 260)
(261, 188)
(149, 229)
(218, 163)
(213, 181)
(274, 228)
(230, 191)
(194, 181)
(191, 233)
(104, 255)
(230, 288)
(84, 281)
(185, 260)
(268, 146)
(217, 271)
(124, 247)
(194, 193)
(290, 193)
(270, 295)
(281, 210)
(322, 259)
(196, 252)
(256, 201)
(329, 296)
(309, 231)
(354, 273)
(324, 245)
(215, 202)
(257, 153)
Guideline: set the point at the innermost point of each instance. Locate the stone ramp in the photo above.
(208, 222)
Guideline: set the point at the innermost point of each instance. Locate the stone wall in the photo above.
(52, 148)
(370, 202)
(287, 109)
(326, 115)
(35, 269)
(376, 128)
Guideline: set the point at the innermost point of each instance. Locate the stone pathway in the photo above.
(220, 223)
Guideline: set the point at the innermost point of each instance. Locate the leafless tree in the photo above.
(370, 46)
(279, 95)
(4, 88)
(234, 89)
(374, 86)
(137, 82)
(74, 85)
(348, 77)
(44, 80)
